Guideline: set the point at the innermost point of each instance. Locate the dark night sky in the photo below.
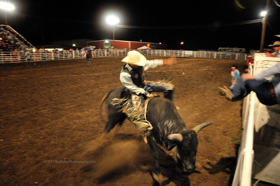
(200, 24)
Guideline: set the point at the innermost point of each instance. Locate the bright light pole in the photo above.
(264, 15)
(113, 20)
(6, 6)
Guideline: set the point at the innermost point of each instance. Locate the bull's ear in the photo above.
(177, 137)
(197, 128)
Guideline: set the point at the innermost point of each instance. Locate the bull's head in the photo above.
(187, 143)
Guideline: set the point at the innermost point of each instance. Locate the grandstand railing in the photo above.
(251, 111)
(22, 56)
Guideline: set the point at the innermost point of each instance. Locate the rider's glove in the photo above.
(142, 91)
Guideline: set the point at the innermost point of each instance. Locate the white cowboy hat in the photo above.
(135, 58)
(276, 43)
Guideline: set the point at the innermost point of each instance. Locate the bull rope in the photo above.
(132, 113)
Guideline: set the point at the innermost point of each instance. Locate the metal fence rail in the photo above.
(23, 56)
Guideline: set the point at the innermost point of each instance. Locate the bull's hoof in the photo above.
(159, 178)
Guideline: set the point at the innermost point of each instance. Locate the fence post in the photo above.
(18, 57)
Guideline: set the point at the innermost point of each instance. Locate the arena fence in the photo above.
(23, 56)
(259, 152)
(199, 54)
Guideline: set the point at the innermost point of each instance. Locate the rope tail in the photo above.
(101, 104)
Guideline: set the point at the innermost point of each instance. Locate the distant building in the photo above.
(129, 45)
(67, 44)
(232, 49)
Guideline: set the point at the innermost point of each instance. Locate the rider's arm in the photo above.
(156, 62)
(153, 63)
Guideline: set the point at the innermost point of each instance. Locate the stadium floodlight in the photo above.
(6, 6)
(113, 20)
(263, 13)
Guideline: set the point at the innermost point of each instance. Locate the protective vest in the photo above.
(137, 74)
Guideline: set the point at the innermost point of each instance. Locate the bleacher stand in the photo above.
(11, 40)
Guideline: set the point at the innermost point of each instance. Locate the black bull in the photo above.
(169, 130)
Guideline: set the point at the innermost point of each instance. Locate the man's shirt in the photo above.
(126, 80)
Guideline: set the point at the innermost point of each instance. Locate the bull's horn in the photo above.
(177, 137)
(197, 128)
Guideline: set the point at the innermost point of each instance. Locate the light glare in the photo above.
(263, 13)
(7, 6)
(112, 20)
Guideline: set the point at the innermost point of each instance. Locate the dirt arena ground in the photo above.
(50, 126)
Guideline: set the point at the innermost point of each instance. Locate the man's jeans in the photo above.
(260, 87)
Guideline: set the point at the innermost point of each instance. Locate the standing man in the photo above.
(235, 75)
(27, 58)
(250, 61)
(89, 55)
(276, 48)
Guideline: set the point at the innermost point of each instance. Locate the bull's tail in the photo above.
(101, 104)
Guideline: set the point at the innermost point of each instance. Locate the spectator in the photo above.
(235, 75)
(89, 56)
(83, 52)
(268, 53)
(27, 58)
(77, 52)
(250, 61)
(276, 48)
(267, 91)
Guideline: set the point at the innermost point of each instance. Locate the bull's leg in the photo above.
(156, 174)
(170, 153)
(113, 121)
(179, 166)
